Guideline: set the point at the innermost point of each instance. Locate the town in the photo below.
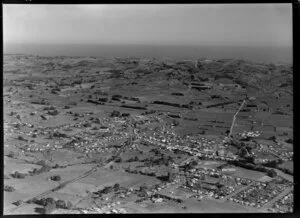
(94, 138)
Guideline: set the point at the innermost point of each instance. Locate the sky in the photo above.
(182, 24)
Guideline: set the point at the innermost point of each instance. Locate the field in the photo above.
(91, 132)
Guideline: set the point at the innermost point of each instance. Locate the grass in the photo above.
(288, 165)
(250, 174)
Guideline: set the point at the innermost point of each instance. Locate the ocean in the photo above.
(258, 54)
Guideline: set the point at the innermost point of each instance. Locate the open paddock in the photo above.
(249, 174)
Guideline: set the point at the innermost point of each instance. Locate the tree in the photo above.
(272, 173)
(143, 187)
(142, 191)
(50, 207)
(136, 158)
(69, 205)
(170, 176)
(243, 153)
(279, 161)
(116, 187)
(50, 201)
(118, 160)
(61, 204)
(219, 185)
(175, 122)
(41, 202)
(250, 159)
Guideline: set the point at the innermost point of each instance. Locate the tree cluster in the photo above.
(8, 188)
(50, 204)
(18, 175)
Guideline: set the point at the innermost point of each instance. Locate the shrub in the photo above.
(178, 94)
(87, 125)
(125, 114)
(53, 112)
(103, 99)
(106, 190)
(271, 164)
(17, 203)
(8, 188)
(21, 138)
(273, 138)
(95, 128)
(11, 154)
(55, 178)
(44, 168)
(175, 122)
(59, 134)
(115, 114)
(115, 99)
(41, 162)
(117, 96)
(18, 175)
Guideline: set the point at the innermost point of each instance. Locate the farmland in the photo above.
(131, 135)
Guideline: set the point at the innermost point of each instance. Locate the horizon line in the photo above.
(143, 44)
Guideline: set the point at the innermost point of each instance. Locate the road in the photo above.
(278, 197)
(284, 175)
(236, 192)
(234, 117)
